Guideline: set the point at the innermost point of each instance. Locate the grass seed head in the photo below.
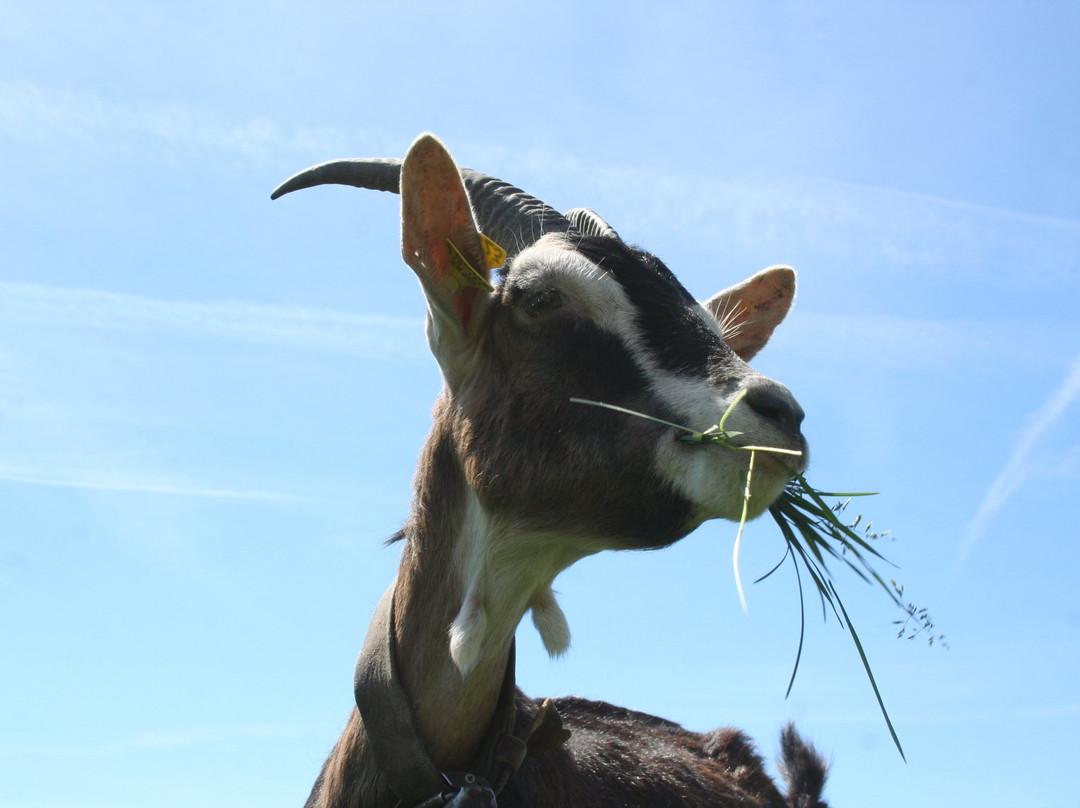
(813, 532)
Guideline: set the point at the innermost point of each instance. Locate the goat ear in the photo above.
(441, 243)
(749, 311)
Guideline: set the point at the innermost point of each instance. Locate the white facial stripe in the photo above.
(601, 297)
(606, 303)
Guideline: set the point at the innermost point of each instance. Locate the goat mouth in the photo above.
(785, 464)
(774, 459)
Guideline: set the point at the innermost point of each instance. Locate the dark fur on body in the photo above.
(619, 758)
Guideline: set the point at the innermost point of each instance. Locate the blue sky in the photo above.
(211, 404)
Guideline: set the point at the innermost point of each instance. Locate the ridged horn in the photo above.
(589, 223)
(505, 214)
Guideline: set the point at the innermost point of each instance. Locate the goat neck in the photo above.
(464, 584)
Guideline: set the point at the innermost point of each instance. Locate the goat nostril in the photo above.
(775, 403)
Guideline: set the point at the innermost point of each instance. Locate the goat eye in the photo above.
(542, 303)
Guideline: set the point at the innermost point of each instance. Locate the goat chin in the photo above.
(722, 495)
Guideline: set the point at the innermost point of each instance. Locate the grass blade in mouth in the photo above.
(813, 531)
(738, 535)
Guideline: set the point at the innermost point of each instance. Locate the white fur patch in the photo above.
(550, 621)
(503, 574)
(467, 634)
(601, 298)
(468, 631)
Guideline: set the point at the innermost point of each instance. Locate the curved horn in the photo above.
(506, 214)
(375, 173)
(589, 223)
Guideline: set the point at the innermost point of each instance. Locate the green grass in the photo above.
(814, 534)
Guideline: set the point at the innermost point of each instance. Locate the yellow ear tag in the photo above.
(462, 274)
(493, 253)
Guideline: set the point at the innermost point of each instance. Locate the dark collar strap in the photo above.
(391, 729)
(387, 715)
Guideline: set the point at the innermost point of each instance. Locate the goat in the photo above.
(516, 482)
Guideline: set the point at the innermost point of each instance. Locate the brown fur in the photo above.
(515, 483)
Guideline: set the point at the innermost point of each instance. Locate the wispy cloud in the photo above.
(891, 341)
(168, 739)
(846, 226)
(855, 224)
(161, 740)
(121, 483)
(1041, 712)
(41, 115)
(883, 226)
(370, 336)
(1019, 468)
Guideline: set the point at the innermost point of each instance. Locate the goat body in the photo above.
(516, 482)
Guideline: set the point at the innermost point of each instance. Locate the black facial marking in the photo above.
(590, 362)
(565, 442)
(667, 314)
